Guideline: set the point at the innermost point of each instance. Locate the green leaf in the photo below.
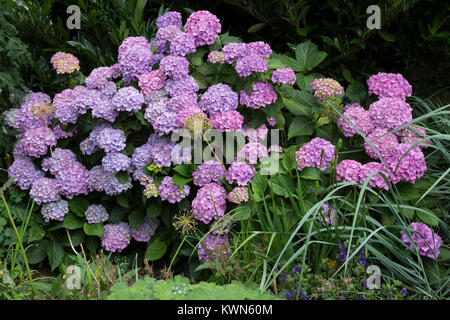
(154, 209)
(282, 185)
(309, 173)
(135, 218)
(259, 183)
(123, 201)
(117, 214)
(408, 192)
(346, 74)
(37, 253)
(184, 169)
(300, 126)
(356, 91)
(197, 57)
(429, 218)
(303, 82)
(295, 108)
(243, 212)
(309, 56)
(181, 181)
(122, 176)
(70, 222)
(290, 63)
(274, 63)
(156, 249)
(386, 36)
(78, 205)
(34, 233)
(55, 253)
(203, 266)
(256, 27)
(289, 162)
(94, 229)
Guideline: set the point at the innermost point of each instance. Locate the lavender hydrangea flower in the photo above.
(152, 81)
(249, 64)
(9, 117)
(325, 87)
(165, 36)
(135, 58)
(96, 213)
(142, 156)
(240, 172)
(170, 192)
(406, 165)
(161, 152)
(348, 171)
(174, 67)
(72, 180)
(386, 145)
(146, 230)
(390, 113)
(97, 179)
(114, 162)
(219, 98)
(60, 159)
(211, 246)
(186, 85)
(377, 180)
(255, 135)
(259, 48)
(390, 85)
(171, 18)
(359, 117)
(327, 215)
(98, 78)
(110, 140)
(238, 195)
(234, 51)
(62, 134)
(262, 95)
(113, 186)
(65, 62)
(227, 121)
(424, 238)
(24, 173)
(35, 142)
(44, 190)
(55, 210)
(252, 152)
(284, 75)
(209, 202)
(66, 110)
(182, 45)
(128, 99)
(203, 26)
(310, 154)
(28, 117)
(116, 237)
(88, 147)
(209, 171)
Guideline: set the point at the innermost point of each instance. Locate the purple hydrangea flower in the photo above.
(35, 142)
(216, 57)
(406, 165)
(219, 98)
(386, 145)
(174, 67)
(171, 18)
(114, 162)
(262, 95)
(135, 58)
(98, 78)
(310, 154)
(359, 117)
(255, 135)
(390, 85)
(72, 180)
(96, 213)
(249, 64)
(165, 36)
(65, 62)
(44, 190)
(60, 159)
(182, 44)
(209, 171)
(390, 113)
(284, 75)
(65, 106)
(252, 152)
(227, 121)
(170, 192)
(110, 140)
(203, 26)
(55, 210)
(152, 81)
(146, 230)
(240, 172)
(238, 195)
(26, 118)
(348, 171)
(97, 179)
(325, 87)
(259, 48)
(234, 51)
(426, 240)
(113, 186)
(186, 85)
(116, 237)
(62, 134)
(128, 99)
(377, 180)
(211, 246)
(209, 202)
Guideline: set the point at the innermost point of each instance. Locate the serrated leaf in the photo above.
(243, 212)
(300, 126)
(122, 176)
(55, 253)
(78, 205)
(135, 218)
(274, 63)
(181, 181)
(156, 249)
(429, 218)
(308, 56)
(309, 173)
(256, 27)
(356, 91)
(70, 222)
(94, 229)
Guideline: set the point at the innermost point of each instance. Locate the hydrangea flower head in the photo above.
(377, 180)
(26, 117)
(98, 78)
(219, 98)
(359, 117)
(60, 159)
(284, 75)
(348, 171)
(234, 51)
(110, 139)
(412, 135)
(72, 180)
(55, 210)
(424, 238)
(146, 230)
(209, 171)
(171, 18)
(240, 172)
(209, 202)
(406, 165)
(194, 120)
(227, 121)
(310, 155)
(325, 87)
(128, 99)
(35, 142)
(203, 26)
(66, 109)
(44, 190)
(182, 45)
(170, 192)
(386, 145)
(114, 162)
(116, 237)
(96, 213)
(390, 113)
(262, 95)
(390, 85)
(152, 81)
(216, 57)
(250, 64)
(186, 85)
(211, 246)
(174, 67)
(238, 195)
(65, 62)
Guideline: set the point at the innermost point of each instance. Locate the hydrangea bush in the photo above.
(100, 155)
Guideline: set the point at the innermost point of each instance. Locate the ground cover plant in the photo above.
(230, 162)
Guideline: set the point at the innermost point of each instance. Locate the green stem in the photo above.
(20, 242)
